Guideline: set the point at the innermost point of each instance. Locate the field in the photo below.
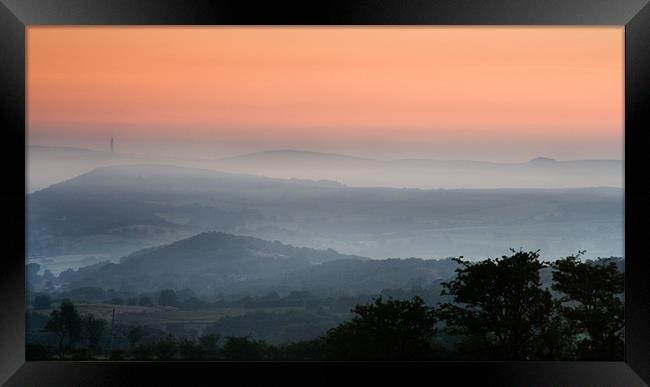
(163, 316)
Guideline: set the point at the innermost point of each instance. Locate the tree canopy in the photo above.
(384, 330)
(515, 307)
(66, 323)
(591, 302)
(500, 304)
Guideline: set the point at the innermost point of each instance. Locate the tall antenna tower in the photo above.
(112, 144)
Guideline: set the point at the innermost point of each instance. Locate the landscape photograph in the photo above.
(324, 193)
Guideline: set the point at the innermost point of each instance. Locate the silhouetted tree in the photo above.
(301, 350)
(209, 345)
(145, 301)
(165, 348)
(243, 348)
(384, 330)
(134, 336)
(93, 329)
(37, 351)
(168, 298)
(555, 340)
(204, 348)
(591, 302)
(117, 354)
(65, 322)
(500, 303)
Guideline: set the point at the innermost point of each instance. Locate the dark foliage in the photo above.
(384, 330)
(168, 298)
(38, 352)
(514, 307)
(244, 348)
(93, 329)
(66, 323)
(592, 305)
(135, 336)
(501, 303)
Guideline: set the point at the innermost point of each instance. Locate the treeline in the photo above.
(186, 300)
(498, 309)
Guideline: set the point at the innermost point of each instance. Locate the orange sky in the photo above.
(422, 90)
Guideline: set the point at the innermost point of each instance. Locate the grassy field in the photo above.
(161, 316)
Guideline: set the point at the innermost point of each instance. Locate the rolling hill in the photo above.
(218, 263)
(49, 165)
(114, 211)
(540, 172)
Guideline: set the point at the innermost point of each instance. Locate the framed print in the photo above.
(449, 188)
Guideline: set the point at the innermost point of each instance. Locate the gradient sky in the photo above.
(485, 93)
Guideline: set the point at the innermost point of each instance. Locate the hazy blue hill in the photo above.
(48, 165)
(203, 249)
(218, 263)
(541, 159)
(118, 210)
(541, 172)
(211, 264)
(208, 263)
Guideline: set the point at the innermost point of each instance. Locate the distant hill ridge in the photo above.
(293, 154)
(203, 262)
(217, 263)
(540, 172)
(220, 263)
(118, 210)
(49, 165)
(223, 246)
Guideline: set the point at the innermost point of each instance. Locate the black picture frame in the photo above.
(16, 15)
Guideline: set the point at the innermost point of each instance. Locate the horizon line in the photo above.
(304, 151)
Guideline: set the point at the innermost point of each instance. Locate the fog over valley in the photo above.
(245, 193)
(48, 165)
(105, 206)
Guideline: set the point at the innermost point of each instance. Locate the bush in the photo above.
(38, 352)
(117, 354)
(81, 354)
(145, 301)
(168, 298)
(384, 330)
(243, 348)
